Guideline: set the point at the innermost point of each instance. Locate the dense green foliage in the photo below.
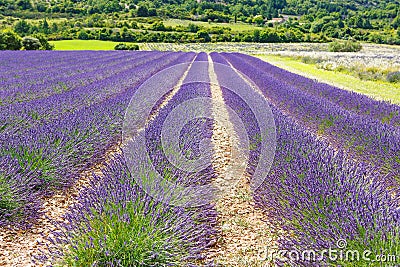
(347, 46)
(141, 20)
(44, 43)
(123, 46)
(393, 77)
(9, 40)
(30, 43)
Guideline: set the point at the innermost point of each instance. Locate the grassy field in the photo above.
(84, 45)
(377, 89)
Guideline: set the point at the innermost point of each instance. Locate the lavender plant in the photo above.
(70, 131)
(17, 201)
(115, 223)
(361, 136)
(320, 196)
(316, 193)
(357, 103)
(195, 85)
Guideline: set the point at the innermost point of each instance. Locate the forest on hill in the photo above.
(205, 21)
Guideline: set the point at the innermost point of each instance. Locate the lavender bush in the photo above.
(316, 193)
(354, 102)
(320, 196)
(18, 203)
(57, 137)
(362, 136)
(115, 223)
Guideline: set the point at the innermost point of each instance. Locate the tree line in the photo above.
(305, 20)
(9, 40)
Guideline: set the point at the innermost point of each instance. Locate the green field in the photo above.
(377, 89)
(84, 45)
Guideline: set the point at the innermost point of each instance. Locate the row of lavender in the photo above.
(362, 105)
(319, 196)
(195, 85)
(362, 136)
(116, 223)
(69, 132)
(38, 80)
(32, 113)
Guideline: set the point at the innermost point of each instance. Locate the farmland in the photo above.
(112, 158)
(378, 89)
(84, 45)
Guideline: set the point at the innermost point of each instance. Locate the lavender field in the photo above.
(305, 166)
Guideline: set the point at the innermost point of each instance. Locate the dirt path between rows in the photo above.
(246, 232)
(18, 247)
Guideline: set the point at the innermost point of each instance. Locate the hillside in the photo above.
(267, 21)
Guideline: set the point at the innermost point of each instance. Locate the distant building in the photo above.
(276, 20)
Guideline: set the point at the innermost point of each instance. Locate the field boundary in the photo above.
(378, 90)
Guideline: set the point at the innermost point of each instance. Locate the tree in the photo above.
(152, 12)
(367, 24)
(193, 27)
(31, 43)
(54, 27)
(24, 4)
(9, 40)
(45, 27)
(259, 20)
(158, 26)
(82, 35)
(40, 7)
(111, 6)
(22, 27)
(203, 36)
(256, 35)
(142, 11)
(44, 43)
(123, 46)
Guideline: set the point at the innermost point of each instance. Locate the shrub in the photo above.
(348, 46)
(393, 77)
(158, 26)
(9, 40)
(193, 28)
(31, 43)
(142, 11)
(123, 46)
(311, 60)
(22, 27)
(19, 205)
(203, 36)
(44, 43)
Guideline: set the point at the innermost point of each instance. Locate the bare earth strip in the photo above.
(246, 231)
(17, 247)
